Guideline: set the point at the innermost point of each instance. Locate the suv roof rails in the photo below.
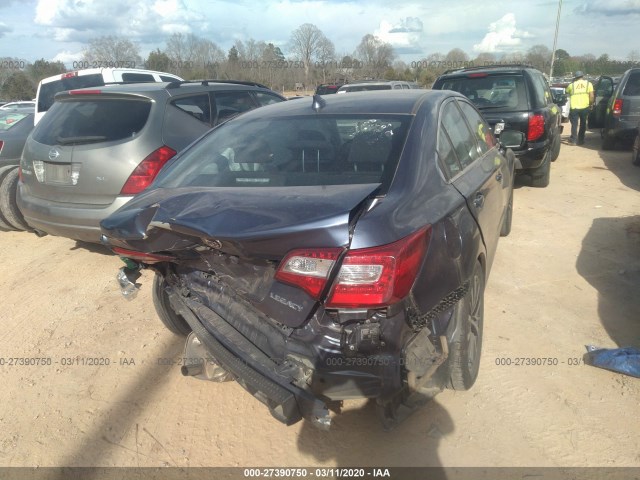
(496, 65)
(206, 82)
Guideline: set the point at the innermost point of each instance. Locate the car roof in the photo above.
(505, 68)
(368, 102)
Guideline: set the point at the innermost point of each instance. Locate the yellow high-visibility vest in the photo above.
(579, 93)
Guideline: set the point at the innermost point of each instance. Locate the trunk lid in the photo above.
(236, 237)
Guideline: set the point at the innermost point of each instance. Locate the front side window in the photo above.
(265, 98)
(632, 87)
(231, 104)
(138, 77)
(293, 151)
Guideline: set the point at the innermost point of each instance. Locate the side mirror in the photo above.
(512, 139)
(560, 99)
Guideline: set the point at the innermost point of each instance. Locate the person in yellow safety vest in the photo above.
(581, 97)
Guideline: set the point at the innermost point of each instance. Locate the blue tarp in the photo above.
(622, 360)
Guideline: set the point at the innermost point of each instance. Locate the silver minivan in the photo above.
(98, 147)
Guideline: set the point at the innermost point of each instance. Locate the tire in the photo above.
(174, 322)
(8, 204)
(555, 147)
(4, 224)
(540, 176)
(505, 229)
(466, 344)
(635, 154)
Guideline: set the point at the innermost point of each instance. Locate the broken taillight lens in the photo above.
(368, 277)
(379, 276)
(142, 256)
(308, 269)
(144, 173)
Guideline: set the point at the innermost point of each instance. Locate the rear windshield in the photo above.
(48, 90)
(632, 87)
(76, 122)
(10, 120)
(293, 151)
(501, 92)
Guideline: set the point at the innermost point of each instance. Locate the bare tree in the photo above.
(193, 56)
(306, 43)
(634, 56)
(375, 54)
(111, 50)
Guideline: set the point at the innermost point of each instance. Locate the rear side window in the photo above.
(196, 105)
(138, 77)
(464, 143)
(230, 104)
(92, 121)
(293, 151)
(479, 127)
(48, 90)
(267, 98)
(542, 97)
(632, 87)
(10, 120)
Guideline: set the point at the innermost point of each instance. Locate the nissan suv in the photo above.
(514, 97)
(98, 147)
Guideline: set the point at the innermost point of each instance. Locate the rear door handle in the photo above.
(478, 202)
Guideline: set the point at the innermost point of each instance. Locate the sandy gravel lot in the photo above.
(569, 275)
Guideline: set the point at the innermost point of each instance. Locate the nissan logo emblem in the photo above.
(53, 154)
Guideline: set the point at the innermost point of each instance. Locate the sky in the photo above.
(60, 29)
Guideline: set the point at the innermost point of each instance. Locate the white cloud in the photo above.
(67, 57)
(403, 33)
(503, 35)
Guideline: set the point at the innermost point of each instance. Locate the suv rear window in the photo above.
(293, 151)
(48, 90)
(11, 119)
(505, 92)
(78, 122)
(632, 87)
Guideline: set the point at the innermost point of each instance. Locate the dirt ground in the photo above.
(567, 276)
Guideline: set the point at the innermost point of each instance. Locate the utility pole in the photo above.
(555, 43)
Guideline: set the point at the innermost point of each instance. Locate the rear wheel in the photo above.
(4, 224)
(555, 147)
(466, 344)
(635, 154)
(540, 176)
(8, 203)
(174, 322)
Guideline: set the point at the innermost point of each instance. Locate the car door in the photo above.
(484, 176)
(603, 92)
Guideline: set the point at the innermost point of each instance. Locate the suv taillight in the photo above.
(536, 127)
(1, 145)
(617, 107)
(141, 256)
(144, 173)
(368, 277)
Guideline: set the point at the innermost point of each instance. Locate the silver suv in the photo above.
(97, 147)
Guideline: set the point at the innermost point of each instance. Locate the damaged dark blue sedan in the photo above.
(329, 248)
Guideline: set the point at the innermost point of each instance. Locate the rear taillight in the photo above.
(308, 269)
(536, 127)
(617, 107)
(368, 277)
(1, 145)
(379, 276)
(141, 256)
(144, 173)
(69, 75)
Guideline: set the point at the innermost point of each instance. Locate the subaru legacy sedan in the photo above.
(330, 248)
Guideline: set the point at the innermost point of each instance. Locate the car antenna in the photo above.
(318, 103)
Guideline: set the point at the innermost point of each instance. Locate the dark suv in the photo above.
(97, 147)
(617, 108)
(514, 97)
